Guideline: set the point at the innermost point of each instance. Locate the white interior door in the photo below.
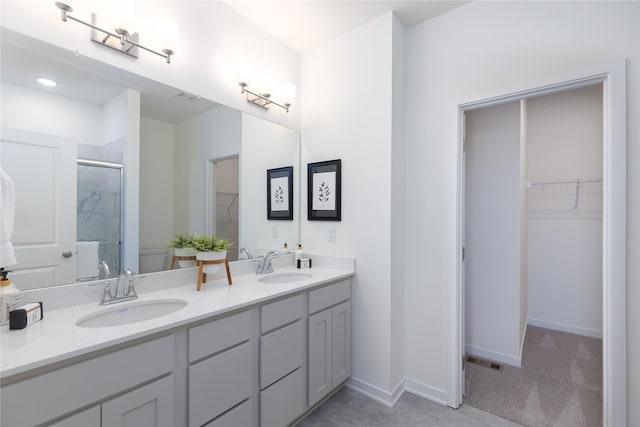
(44, 233)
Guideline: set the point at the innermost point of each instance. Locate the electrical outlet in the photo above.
(332, 234)
(274, 232)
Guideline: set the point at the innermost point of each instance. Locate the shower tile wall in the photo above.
(99, 202)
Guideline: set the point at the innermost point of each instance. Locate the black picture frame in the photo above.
(280, 193)
(324, 183)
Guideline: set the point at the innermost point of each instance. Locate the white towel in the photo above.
(8, 210)
(87, 260)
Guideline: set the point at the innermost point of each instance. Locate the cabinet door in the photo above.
(319, 356)
(87, 418)
(341, 342)
(150, 405)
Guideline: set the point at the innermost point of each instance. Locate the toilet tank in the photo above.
(152, 260)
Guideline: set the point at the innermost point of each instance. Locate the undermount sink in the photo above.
(284, 277)
(131, 313)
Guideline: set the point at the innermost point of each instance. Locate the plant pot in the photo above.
(211, 256)
(185, 252)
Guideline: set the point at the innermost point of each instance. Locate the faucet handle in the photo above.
(132, 290)
(106, 294)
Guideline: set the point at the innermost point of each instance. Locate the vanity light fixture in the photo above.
(121, 40)
(262, 100)
(47, 82)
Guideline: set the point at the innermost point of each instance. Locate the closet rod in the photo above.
(567, 181)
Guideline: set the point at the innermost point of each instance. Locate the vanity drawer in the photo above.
(281, 312)
(219, 383)
(240, 416)
(215, 336)
(281, 352)
(284, 401)
(85, 383)
(321, 298)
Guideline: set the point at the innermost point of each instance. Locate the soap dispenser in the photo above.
(9, 297)
(298, 255)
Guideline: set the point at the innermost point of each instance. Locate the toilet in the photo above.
(152, 260)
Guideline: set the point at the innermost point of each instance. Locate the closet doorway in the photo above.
(612, 78)
(223, 205)
(533, 258)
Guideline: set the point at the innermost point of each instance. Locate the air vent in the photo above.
(186, 96)
(485, 363)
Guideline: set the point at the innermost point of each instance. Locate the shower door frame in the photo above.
(120, 167)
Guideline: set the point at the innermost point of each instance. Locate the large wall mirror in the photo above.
(109, 166)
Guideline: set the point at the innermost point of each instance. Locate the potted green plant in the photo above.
(211, 248)
(183, 246)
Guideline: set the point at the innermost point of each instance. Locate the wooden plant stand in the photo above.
(181, 258)
(202, 276)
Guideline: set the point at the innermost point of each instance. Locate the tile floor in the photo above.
(349, 407)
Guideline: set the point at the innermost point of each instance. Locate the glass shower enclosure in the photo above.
(99, 217)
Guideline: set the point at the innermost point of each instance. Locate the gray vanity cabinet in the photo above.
(88, 383)
(329, 339)
(147, 406)
(263, 366)
(282, 361)
(221, 372)
(88, 418)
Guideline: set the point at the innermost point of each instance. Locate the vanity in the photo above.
(261, 352)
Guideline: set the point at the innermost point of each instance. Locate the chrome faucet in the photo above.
(266, 266)
(105, 269)
(246, 251)
(130, 294)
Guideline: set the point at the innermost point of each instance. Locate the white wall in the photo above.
(266, 145)
(156, 183)
(347, 114)
(37, 111)
(213, 40)
(565, 244)
(212, 135)
(524, 229)
(472, 49)
(121, 119)
(398, 199)
(492, 233)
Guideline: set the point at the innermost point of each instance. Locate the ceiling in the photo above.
(22, 60)
(302, 24)
(305, 24)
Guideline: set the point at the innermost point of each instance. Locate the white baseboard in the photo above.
(425, 391)
(565, 328)
(377, 393)
(493, 355)
(390, 399)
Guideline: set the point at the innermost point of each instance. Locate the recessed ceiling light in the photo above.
(46, 82)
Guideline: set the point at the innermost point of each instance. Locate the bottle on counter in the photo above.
(9, 297)
(298, 255)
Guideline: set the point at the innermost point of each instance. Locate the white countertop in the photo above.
(57, 338)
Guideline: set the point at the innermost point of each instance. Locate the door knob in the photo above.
(67, 254)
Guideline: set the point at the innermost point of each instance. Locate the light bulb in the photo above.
(166, 33)
(244, 72)
(266, 84)
(46, 82)
(288, 93)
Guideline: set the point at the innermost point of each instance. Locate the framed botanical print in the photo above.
(324, 186)
(280, 193)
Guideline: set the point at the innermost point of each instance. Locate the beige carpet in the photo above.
(559, 384)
